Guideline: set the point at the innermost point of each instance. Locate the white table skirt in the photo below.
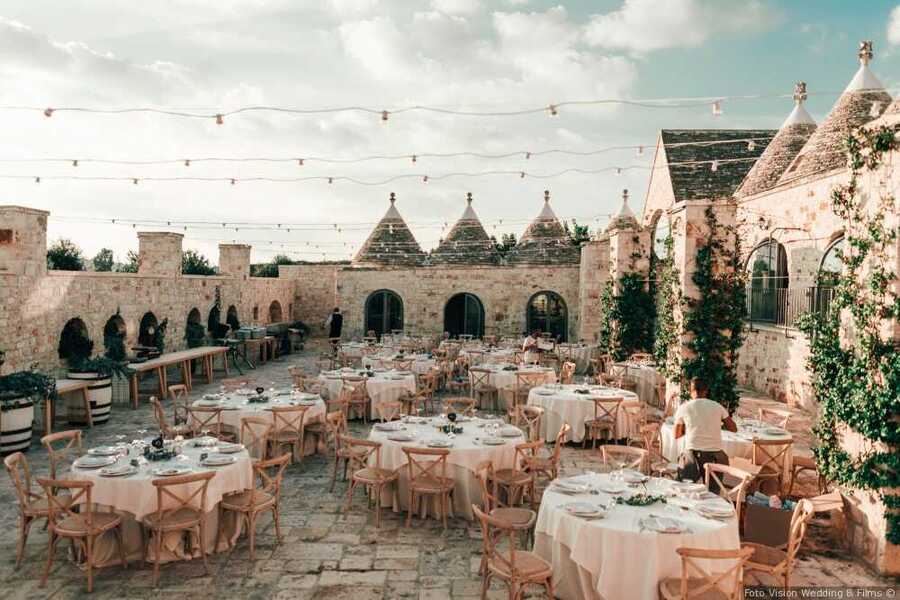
(646, 377)
(611, 558)
(579, 354)
(735, 445)
(380, 388)
(565, 406)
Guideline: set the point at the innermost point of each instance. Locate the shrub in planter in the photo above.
(195, 334)
(99, 371)
(74, 345)
(18, 392)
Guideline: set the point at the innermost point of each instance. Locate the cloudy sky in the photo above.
(477, 55)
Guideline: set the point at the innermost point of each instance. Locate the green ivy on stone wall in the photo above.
(667, 335)
(857, 380)
(626, 324)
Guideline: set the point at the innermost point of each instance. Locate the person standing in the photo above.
(335, 323)
(700, 422)
(530, 347)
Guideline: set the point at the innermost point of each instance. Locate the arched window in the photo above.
(194, 332)
(275, 312)
(661, 230)
(384, 312)
(147, 330)
(464, 315)
(114, 337)
(827, 278)
(547, 312)
(213, 319)
(767, 282)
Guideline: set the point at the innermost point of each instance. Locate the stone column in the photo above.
(593, 275)
(234, 260)
(160, 253)
(23, 241)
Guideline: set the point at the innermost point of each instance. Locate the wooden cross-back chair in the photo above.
(567, 372)
(771, 456)
(481, 389)
(518, 481)
(728, 482)
(779, 562)
(255, 433)
(168, 430)
(726, 582)
(775, 416)
(180, 507)
(178, 395)
(32, 505)
(298, 377)
(72, 516)
(358, 400)
(264, 496)
(427, 476)
(389, 410)
(625, 457)
(635, 413)
(521, 519)
(549, 466)
(524, 383)
(606, 418)
(208, 419)
(403, 364)
(336, 425)
(325, 363)
(530, 418)
(288, 429)
(460, 406)
(518, 568)
(62, 447)
(361, 453)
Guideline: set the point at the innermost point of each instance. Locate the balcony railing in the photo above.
(783, 306)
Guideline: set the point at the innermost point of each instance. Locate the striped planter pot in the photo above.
(99, 396)
(16, 427)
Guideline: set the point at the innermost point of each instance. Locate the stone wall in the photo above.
(315, 293)
(593, 275)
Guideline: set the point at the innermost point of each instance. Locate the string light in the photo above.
(717, 108)
(74, 163)
(640, 150)
(220, 119)
(714, 166)
(300, 162)
(187, 162)
(48, 112)
(414, 158)
(384, 115)
(553, 112)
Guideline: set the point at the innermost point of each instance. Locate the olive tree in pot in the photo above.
(18, 393)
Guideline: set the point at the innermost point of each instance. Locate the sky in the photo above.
(469, 55)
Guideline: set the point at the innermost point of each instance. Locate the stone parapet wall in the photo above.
(315, 293)
(773, 361)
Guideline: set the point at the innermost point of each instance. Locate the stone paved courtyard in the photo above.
(326, 554)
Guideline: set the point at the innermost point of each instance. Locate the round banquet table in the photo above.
(490, 357)
(383, 386)
(505, 380)
(646, 377)
(421, 363)
(562, 404)
(134, 497)
(614, 557)
(580, 354)
(735, 444)
(465, 455)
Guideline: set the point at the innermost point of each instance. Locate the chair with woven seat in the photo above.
(549, 466)
(62, 447)
(529, 417)
(426, 470)
(32, 505)
(178, 395)
(728, 482)
(358, 401)
(389, 410)
(567, 372)
(518, 568)
(460, 406)
(485, 393)
(524, 383)
(263, 497)
(801, 463)
(72, 515)
(625, 457)
(336, 425)
(288, 429)
(775, 416)
(255, 436)
(206, 420)
(373, 478)
(771, 456)
(725, 582)
(518, 481)
(180, 507)
(779, 562)
(168, 430)
(606, 417)
(518, 518)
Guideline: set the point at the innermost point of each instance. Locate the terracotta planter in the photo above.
(99, 395)
(17, 417)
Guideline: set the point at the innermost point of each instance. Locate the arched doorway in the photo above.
(384, 312)
(275, 312)
(547, 312)
(114, 337)
(464, 315)
(231, 318)
(194, 332)
(767, 292)
(147, 330)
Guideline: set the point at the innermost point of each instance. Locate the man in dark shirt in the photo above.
(335, 322)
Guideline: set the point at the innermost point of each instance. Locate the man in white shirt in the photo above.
(700, 422)
(530, 346)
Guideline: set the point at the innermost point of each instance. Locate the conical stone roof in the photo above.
(864, 99)
(467, 243)
(391, 243)
(545, 241)
(784, 147)
(625, 219)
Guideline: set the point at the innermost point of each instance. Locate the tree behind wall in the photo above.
(103, 260)
(194, 263)
(270, 269)
(132, 264)
(64, 255)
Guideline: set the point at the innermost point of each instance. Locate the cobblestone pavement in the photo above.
(326, 554)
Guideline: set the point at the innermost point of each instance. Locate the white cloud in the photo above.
(893, 27)
(457, 7)
(646, 25)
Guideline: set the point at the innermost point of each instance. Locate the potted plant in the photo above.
(159, 336)
(75, 348)
(18, 392)
(101, 369)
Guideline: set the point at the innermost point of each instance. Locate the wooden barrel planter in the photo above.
(15, 423)
(99, 394)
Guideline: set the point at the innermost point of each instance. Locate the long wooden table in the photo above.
(182, 359)
(67, 386)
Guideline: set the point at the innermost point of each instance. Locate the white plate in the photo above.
(170, 471)
(510, 432)
(775, 431)
(205, 441)
(439, 443)
(117, 471)
(493, 441)
(611, 487)
(686, 487)
(400, 437)
(103, 451)
(390, 426)
(544, 392)
(230, 448)
(218, 460)
(715, 508)
(94, 462)
(568, 487)
(663, 525)
(630, 476)
(583, 509)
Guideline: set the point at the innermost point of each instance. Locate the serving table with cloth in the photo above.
(617, 556)
(134, 497)
(646, 377)
(381, 386)
(564, 404)
(737, 444)
(468, 450)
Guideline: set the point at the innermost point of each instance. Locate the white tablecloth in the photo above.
(383, 386)
(490, 357)
(505, 381)
(465, 455)
(580, 354)
(237, 406)
(562, 405)
(421, 363)
(135, 497)
(736, 445)
(646, 377)
(612, 558)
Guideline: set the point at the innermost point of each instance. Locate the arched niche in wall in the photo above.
(214, 318)
(114, 332)
(384, 312)
(256, 313)
(767, 282)
(74, 340)
(547, 312)
(464, 315)
(275, 312)
(231, 317)
(194, 332)
(147, 329)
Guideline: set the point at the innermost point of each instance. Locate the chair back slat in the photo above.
(269, 474)
(426, 462)
(361, 451)
(607, 408)
(75, 506)
(254, 435)
(20, 473)
(181, 491)
(60, 446)
(388, 410)
(727, 579)
(205, 418)
(288, 419)
(628, 456)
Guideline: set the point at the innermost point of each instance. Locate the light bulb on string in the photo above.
(187, 162)
(414, 158)
(134, 181)
(527, 155)
(299, 162)
(48, 112)
(521, 174)
(552, 109)
(384, 115)
(751, 145)
(714, 166)
(220, 119)
(232, 182)
(618, 170)
(640, 150)
(37, 179)
(717, 108)
(75, 163)
(331, 180)
(425, 179)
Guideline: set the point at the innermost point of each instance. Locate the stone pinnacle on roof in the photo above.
(787, 143)
(545, 241)
(467, 243)
(390, 243)
(625, 219)
(863, 100)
